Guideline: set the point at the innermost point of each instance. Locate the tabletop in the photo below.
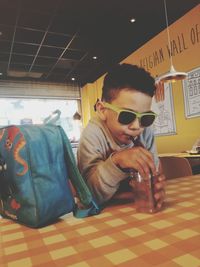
(180, 154)
(118, 236)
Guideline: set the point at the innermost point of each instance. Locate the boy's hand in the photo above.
(159, 188)
(137, 158)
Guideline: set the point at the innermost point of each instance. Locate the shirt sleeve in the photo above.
(96, 165)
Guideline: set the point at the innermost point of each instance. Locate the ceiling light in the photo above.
(172, 75)
(1, 73)
(73, 79)
(132, 20)
(94, 57)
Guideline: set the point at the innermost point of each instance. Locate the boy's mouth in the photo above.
(131, 137)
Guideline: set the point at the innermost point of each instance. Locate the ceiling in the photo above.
(56, 40)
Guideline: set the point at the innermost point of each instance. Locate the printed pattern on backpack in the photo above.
(12, 142)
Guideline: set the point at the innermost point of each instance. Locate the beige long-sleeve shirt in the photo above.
(96, 146)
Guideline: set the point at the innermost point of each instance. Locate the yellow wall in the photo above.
(89, 95)
(154, 57)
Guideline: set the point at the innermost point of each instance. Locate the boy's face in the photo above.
(131, 100)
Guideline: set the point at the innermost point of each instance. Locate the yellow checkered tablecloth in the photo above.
(117, 237)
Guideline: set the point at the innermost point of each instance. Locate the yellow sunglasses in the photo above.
(128, 116)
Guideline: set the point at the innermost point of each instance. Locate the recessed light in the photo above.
(94, 57)
(1, 73)
(1, 33)
(132, 20)
(73, 79)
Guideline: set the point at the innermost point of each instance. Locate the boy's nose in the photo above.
(135, 124)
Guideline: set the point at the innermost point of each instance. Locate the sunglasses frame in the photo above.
(138, 115)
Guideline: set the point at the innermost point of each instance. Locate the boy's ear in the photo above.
(101, 110)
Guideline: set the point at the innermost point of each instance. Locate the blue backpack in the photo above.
(37, 166)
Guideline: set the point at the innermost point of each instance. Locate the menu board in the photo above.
(191, 92)
(165, 122)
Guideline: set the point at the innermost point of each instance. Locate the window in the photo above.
(21, 111)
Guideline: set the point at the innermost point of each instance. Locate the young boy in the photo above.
(107, 151)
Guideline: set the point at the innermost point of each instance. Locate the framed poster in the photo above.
(191, 93)
(165, 123)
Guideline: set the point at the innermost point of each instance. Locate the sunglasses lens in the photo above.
(147, 120)
(126, 117)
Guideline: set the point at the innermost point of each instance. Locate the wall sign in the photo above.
(191, 92)
(165, 122)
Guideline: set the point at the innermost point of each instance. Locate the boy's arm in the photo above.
(97, 167)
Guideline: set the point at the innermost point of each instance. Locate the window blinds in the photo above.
(39, 90)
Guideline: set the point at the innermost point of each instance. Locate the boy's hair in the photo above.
(127, 76)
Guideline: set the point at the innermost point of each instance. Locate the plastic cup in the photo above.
(143, 189)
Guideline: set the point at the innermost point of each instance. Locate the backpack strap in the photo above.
(91, 208)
